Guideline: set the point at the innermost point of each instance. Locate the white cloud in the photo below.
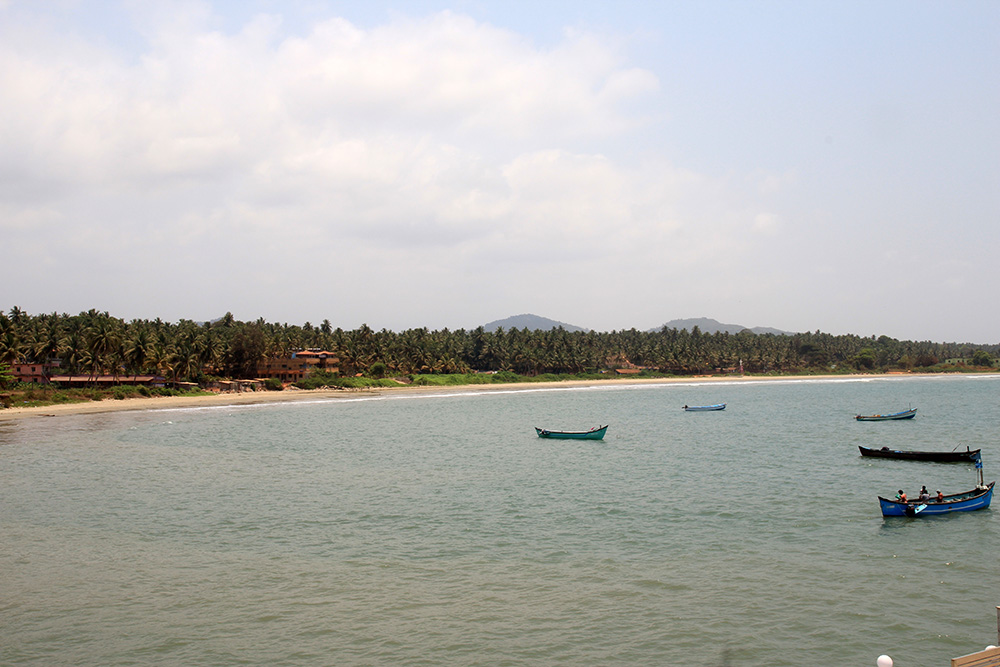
(433, 142)
(340, 102)
(24, 218)
(765, 223)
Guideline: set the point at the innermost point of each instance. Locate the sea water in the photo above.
(437, 529)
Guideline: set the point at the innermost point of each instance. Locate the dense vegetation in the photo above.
(95, 343)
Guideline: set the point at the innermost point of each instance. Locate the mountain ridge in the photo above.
(529, 321)
(710, 326)
(705, 325)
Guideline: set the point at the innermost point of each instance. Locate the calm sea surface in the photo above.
(439, 530)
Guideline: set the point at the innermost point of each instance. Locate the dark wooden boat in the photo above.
(905, 414)
(968, 456)
(596, 433)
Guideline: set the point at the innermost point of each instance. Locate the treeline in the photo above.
(97, 343)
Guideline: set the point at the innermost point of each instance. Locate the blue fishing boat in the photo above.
(905, 414)
(704, 408)
(978, 498)
(596, 433)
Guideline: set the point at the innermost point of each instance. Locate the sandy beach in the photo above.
(252, 397)
(257, 397)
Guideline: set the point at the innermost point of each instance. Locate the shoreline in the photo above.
(292, 395)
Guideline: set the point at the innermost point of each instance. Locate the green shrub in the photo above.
(982, 358)
(865, 359)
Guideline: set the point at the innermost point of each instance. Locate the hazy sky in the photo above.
(798, 165)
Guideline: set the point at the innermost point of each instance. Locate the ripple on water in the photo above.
(441, 530)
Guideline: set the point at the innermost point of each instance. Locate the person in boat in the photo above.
(940, 496)
(901, 497)
(925, 495)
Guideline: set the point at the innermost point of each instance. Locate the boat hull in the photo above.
(905, 414)
(977, 499)
(968, 456)
(592, 434)
(704, 408)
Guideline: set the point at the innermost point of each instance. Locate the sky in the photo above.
(806, 166)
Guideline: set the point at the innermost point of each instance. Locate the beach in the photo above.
(287, 395)
(292, 394)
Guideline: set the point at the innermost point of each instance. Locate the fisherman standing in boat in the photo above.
(925, 495)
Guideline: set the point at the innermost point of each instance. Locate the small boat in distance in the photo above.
(977, 499)
(704, 408)
(968, 456)
(596, 433)
(905, 414)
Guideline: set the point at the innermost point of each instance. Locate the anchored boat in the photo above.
(596, 433)
(905, 414)
(968, 456)
(704, 408)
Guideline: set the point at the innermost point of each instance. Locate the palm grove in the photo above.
(96, 343)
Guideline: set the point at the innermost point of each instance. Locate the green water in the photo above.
(439, 530)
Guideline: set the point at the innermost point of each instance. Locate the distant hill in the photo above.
(705, 324)
(710, 326)
(531, 322)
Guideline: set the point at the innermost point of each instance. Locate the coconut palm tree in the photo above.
(137, 350)
(10, 347)
(103, 339)
(159, 357)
